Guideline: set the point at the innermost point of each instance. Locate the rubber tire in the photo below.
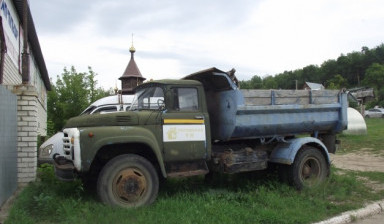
(126, 162)
(292, 173)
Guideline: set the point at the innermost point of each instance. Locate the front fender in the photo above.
(109, 135)
(285, 152)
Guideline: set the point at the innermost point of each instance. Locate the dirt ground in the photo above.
(363, 161)
(359, 161)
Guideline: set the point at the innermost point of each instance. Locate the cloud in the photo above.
(57, 16)
(176, 38)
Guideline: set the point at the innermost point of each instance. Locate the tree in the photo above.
(73, 92)
(269, 82)
(374, 77)
(286, 80)
(311, 73)
(346, 71)
(94, 92)
(337, 82)
(256, 82)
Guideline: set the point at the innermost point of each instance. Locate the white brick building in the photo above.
(30, 85)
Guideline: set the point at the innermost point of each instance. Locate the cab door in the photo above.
(184, 127)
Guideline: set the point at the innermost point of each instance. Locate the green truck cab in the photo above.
(201, 124)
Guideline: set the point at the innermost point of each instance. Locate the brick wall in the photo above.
(41, 119)
(27, 108)
(11, 75)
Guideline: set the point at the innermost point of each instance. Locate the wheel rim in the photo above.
(129, 186)
(310, 171)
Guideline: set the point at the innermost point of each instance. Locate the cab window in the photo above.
(185, 99)
(150, 98)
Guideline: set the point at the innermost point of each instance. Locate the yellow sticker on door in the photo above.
(180, 133)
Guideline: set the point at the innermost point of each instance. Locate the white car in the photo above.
(375, 112)
(107, 104)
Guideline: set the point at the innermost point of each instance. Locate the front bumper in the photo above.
(64, 169)
(41, 161)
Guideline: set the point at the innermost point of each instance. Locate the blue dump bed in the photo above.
(236, 113)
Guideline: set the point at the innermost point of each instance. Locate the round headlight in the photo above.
(46, 151)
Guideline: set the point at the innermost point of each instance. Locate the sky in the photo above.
(175, 38)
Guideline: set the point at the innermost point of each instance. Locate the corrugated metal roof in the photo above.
(314, 86)
(34, 42)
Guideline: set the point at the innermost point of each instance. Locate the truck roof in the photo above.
(212, 78)
(168, 82)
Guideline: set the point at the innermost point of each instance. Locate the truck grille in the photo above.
(71, 146)
(68, 146)
(123, 118)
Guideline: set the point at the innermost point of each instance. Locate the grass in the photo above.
(371, 142)
(374, 176)
(242, 198)
(245, 198)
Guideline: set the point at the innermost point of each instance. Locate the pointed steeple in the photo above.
(131, 76)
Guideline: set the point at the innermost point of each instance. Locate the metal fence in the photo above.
(8, 144)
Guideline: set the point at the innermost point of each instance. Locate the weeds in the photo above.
(243, 198)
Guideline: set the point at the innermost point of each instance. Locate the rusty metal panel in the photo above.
(246, 159)
(8, 142)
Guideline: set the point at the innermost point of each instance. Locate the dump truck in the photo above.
(202, 124)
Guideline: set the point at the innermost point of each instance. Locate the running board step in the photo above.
(187, 169)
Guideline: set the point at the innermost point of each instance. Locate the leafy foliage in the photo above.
(337, 82)
(73, 92)
(374, 77)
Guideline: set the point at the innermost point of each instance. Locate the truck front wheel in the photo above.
(128, 181)
(308, 170)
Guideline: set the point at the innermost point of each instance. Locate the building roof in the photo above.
(34, 42)
(132, 70)
(314, 86)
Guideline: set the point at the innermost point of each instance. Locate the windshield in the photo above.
(88, 110)
(151, 98)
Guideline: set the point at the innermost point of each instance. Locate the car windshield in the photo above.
(151, 98)
(88, 110)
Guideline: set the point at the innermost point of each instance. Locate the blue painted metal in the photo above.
(8, 142)
(285, 152)
(270, 120)
(273, 101)
(310, 97)
(232, 118)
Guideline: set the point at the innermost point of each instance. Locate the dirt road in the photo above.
(359, 161)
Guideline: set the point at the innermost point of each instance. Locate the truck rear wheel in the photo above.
(308, 170)
(128, 181)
